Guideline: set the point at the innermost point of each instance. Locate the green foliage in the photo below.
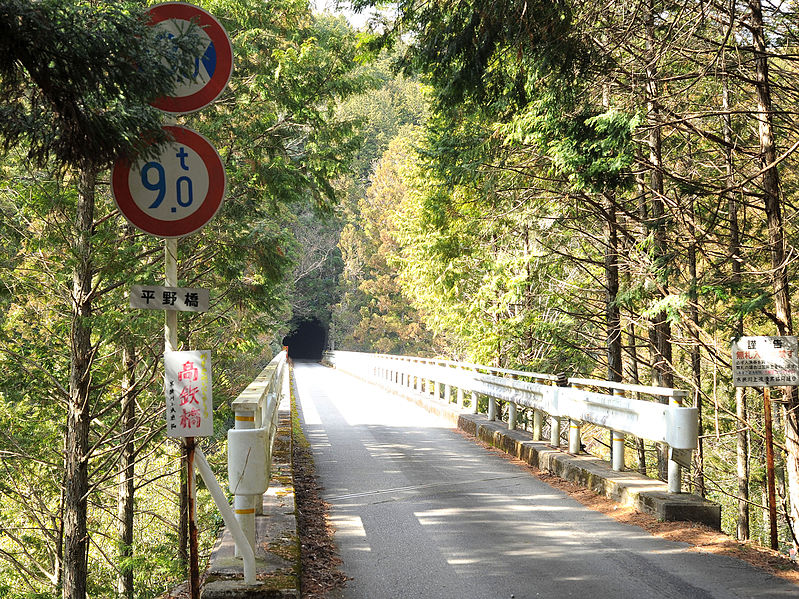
(292, 70)
(480, 51)
(594, 152)
(396, 102)
(374, 313)
(77, 79)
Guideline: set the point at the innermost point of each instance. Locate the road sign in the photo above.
(175, 193)
(189, 403)
(156, 297)
(212, 69)
(765, 362)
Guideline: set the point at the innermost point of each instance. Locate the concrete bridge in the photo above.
(422, 510)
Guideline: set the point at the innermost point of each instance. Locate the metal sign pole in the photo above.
(194, 561)
(171, 277)
(171, 344)
(772, 493)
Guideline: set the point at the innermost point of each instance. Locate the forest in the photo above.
(604, 189)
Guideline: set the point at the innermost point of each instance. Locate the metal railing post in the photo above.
(492, 408)
(617, 445)
(244, 505)
(512, 415)
(554, 431)
(617, 450)
(675, 477)
(460, 398)
(574, 436)
(674, 469)
(538, 422)
(512, 410)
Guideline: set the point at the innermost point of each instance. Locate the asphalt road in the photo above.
(422, 512)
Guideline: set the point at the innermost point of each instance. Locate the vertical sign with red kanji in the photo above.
(189, 405)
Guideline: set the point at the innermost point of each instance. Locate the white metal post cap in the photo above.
(682, 427)
(247, 463)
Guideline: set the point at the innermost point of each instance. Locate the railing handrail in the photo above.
(473, 366)
(646, 389)
(252, 398)
(678, 394)
(668, 423)
(250, 448)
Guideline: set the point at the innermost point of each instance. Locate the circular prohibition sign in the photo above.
(175, 193)
(212, 70)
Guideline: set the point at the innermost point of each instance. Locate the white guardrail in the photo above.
(547, 395)
(250, 456)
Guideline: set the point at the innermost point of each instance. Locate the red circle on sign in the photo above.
(123, 197)
(180, 11)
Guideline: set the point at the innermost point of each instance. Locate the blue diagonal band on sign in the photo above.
(209, 59)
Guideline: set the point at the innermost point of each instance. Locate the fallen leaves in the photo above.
(320, 574)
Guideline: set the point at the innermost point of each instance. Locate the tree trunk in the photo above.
(660, 332)
(76, 446)
(742, 438)
(696, 364)
(636, 380)
(659, 326)
(612, 312)
(742, 464)
(127, 471)
(528, 294)
(776, 234)
(59, 565)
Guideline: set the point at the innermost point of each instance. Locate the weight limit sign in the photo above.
(175, 193)
(212, 69)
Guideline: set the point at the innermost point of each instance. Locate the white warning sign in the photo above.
(765, 362)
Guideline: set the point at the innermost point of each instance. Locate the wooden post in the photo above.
(772, 492)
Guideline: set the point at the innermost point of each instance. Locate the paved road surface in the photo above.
(422, 512)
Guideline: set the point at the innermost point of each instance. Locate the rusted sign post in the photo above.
(766, 362)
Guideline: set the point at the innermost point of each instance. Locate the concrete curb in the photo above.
(627, 488)
(277, 551)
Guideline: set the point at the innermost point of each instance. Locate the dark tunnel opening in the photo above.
(306, 340)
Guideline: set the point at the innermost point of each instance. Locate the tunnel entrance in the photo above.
(306, 340)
